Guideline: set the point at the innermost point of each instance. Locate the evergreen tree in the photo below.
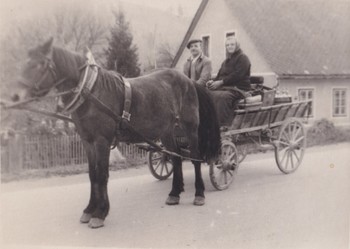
(121, 54)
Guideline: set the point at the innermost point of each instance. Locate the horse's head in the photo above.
(38, 75)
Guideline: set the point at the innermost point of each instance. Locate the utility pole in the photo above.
(155, 47)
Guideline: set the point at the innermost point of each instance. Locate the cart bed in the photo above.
(266, 117)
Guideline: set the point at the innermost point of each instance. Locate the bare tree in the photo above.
(78, 28)
(73, 28)
(166, 54)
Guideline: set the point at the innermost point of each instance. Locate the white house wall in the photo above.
(323, 94)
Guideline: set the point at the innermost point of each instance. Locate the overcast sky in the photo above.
(10, 10)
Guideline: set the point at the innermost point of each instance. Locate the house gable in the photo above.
(216, 21)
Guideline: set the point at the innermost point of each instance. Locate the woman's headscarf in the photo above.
(238, 46)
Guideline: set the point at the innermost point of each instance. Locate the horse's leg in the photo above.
(91, 155)
(178, 184)
(191, 130)
(189, 125)
(98, 157)
(99, 186)
(199, 199)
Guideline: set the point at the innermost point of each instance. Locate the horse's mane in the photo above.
(110, 80)
(70, 64)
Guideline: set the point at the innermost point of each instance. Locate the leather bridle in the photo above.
(50, 70)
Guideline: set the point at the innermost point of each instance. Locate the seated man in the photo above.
(231, 81)
(198, 66)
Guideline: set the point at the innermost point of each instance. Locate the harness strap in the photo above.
(127, 100)
(126, 115)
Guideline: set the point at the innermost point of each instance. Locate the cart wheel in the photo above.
(242, 151)
(290, 146)
(160, 165)
(223, 171)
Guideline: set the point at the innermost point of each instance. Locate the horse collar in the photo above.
(87, 80)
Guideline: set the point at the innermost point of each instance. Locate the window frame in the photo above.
(345, 114)
(313, 90)
(209, 44)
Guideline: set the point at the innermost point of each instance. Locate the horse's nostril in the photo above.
(15, 98)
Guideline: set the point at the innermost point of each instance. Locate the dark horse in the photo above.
(161, 101)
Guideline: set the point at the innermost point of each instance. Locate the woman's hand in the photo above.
(213, 85)
(209, 83)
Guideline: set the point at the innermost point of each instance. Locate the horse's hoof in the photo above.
(85, 218)
(199, 201)
(96, 223)
(172, 200)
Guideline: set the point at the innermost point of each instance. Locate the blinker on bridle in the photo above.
(50, 69)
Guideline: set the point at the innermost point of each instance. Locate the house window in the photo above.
(339, 102)
(206, 43)
(307, 94)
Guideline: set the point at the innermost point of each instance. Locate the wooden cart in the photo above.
(279, 127)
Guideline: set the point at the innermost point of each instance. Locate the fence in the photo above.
(23, 152)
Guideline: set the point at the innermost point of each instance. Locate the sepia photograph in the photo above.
(175, 124)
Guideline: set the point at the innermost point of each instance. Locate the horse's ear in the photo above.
(46, 48)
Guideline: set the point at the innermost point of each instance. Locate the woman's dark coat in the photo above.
(235, 71)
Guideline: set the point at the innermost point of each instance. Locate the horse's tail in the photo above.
(209, 138)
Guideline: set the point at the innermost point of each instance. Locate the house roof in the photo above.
(297, 37)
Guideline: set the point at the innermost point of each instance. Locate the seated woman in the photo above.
(232, 79)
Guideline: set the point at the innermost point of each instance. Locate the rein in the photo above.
(21, 106)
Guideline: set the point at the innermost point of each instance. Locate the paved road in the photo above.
(262, 209)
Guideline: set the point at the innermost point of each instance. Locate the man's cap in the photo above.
(193, 41)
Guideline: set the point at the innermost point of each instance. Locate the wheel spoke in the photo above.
(287, 161)
(166, 167)
(218, 166)
(283, 150)
(225, 175)
(231, 159)
(290, 130)
(156, 158)
(157, 166)
(161, 169)
(221, 174)
(299, 139)
(284, 143)
(285, 135)
(284, 154)
(296, 155)
(296, 133)
(291, 159)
